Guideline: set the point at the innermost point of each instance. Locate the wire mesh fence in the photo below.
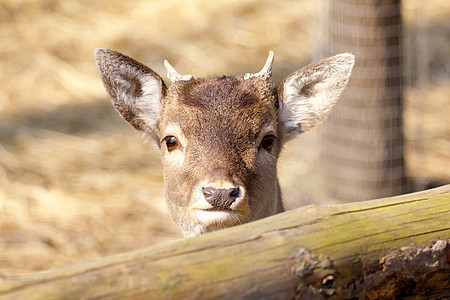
(359, 151)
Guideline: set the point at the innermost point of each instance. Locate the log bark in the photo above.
(386, 248)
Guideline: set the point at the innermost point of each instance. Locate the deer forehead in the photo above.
(223, 109)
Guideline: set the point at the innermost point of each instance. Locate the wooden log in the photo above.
(387, 248)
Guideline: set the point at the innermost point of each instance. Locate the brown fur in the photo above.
(220, 124)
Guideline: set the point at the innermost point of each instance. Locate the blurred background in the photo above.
(77, 183)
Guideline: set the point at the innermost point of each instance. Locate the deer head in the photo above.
(220, 137)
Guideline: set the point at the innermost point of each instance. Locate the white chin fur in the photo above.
(215, 217)
(208, 221)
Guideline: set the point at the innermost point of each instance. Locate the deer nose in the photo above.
(221, 198)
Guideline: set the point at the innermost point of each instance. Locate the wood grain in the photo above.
(367, 248)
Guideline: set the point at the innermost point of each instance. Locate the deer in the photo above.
(220, 137)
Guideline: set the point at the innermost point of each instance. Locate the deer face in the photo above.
(220, 138)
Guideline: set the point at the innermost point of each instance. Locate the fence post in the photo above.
(361, 143)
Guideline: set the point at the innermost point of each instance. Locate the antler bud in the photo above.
(173, 75)
(266, 71)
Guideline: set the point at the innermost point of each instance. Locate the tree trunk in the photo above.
(362, 141)
(388, 248)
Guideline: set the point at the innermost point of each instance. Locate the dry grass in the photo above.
(76, 183)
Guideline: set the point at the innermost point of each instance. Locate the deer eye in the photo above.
(268, 141)
(172, 143)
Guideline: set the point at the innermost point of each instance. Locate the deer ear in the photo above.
(135, 90)
(308, 95)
